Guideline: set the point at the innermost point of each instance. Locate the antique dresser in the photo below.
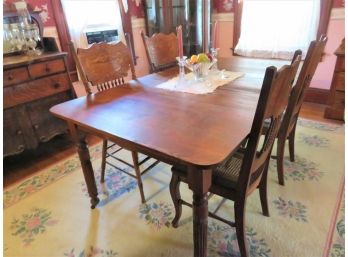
(31, 85)
(336, 103)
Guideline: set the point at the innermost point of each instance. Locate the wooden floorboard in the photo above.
(61, 147)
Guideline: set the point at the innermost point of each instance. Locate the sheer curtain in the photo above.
(83, 14)
(275, 29)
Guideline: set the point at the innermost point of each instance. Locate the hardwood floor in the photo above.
(61, 147)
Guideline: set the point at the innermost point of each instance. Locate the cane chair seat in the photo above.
(245, 170)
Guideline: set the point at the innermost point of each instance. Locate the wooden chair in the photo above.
(288, 127)
(246, 168)
(105, 66)
(161, 50)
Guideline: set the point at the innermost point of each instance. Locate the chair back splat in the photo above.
(103, 65)
(273, 101)
(245, 169)
(288, 127)
(161, 50)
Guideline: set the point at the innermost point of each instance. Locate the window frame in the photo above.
(325, 11)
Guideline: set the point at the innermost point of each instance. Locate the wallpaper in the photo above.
(40, 5)
(223, 6)
(135, 7)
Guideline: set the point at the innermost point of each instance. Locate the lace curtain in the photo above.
(275, 29)
(83, 14)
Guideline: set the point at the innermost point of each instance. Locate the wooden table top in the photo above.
(199, 130)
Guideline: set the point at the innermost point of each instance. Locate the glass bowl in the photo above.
(200, 70)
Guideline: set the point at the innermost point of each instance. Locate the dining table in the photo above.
(196, 130)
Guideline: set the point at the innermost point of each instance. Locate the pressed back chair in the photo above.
(246, 169)
(288, 128)
(161, 50)
(104, 66)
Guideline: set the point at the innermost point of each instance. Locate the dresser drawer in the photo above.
(44, 124)
(46, 68)
(339, 63)
(35, 89)
(15, 76)
(338, 81)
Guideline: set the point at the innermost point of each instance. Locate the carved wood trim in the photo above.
(127, 28)
(63, 32)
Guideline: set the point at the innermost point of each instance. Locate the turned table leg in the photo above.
(199, 183)
(86, 164)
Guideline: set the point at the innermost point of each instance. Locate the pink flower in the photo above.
(222, 247)
(33, 223)
(29, 189)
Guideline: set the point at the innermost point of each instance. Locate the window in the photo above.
(83, 14)
(275, 29)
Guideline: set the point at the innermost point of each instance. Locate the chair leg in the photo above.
(174, 188)
(292, 144)
(138, 175)
(263, 191)
(103, 164)
(280, 159)
(239, 213)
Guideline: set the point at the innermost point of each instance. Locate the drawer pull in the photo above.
(47, 69)
(20, 147)
(56, 85)
(10, 77)
(19, 132)
(36, 126)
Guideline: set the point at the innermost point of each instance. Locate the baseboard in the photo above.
(317, 95)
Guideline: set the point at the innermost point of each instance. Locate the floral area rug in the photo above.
(49, 213)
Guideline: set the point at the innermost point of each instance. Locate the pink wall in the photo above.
(323, 76)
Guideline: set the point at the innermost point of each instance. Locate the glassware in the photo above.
(7, 39)
(200, 70)
(214, 54)
(181, 63)
(17, 41)
(32, 36)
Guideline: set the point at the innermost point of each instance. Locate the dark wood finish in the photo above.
(63, 32)
(336, 100)
(15, 76)
(47, 68)
(288, 128)
(194, 16)
(317, 95)
(106, 66)
(103, 65)
(161, 50)
(253, 164)
(37, 89)
(32, 85)
(127, 29)
(29, 163)
(325, 12)
(167, 125)
(237, 22)
(86, 164)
